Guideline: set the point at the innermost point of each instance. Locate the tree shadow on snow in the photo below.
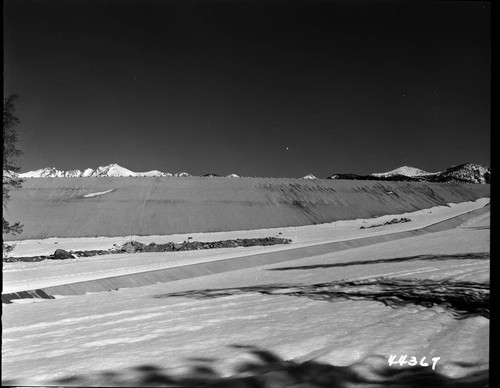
(267, 370)
(460, 256)
(463, 299)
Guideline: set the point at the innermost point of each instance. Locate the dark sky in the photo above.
(227, 86)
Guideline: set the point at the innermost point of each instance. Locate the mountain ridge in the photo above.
(111, 170)
(404, 170)
(462, 173)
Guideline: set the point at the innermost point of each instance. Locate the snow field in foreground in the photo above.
(110, 331)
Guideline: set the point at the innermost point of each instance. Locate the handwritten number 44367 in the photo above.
(412, 361)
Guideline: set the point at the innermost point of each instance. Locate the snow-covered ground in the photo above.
(115, 331)
(24, 276)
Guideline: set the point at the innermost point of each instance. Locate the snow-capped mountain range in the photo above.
(463, 173)
(112, 170)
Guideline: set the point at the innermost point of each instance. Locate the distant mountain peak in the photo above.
(405, 171)
(182, 174)
(466, 173)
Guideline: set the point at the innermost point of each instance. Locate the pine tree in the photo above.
(10, 179)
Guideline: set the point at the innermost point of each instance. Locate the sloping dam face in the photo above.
(88, 207)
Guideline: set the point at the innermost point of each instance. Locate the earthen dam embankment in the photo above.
(88, 207)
